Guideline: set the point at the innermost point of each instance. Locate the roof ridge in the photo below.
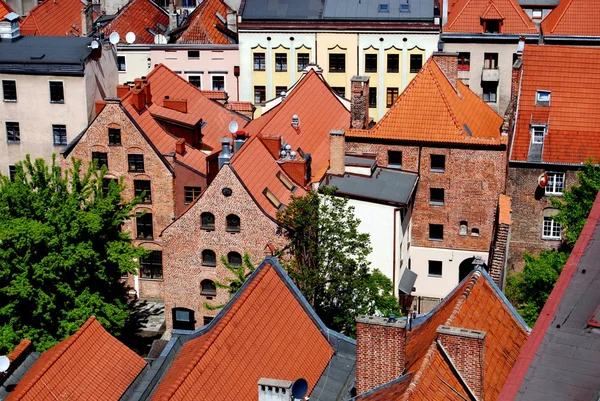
(528, 22)
(455, 18)
(561, 16)
(443, 95)
(490, 5)
(463, 297)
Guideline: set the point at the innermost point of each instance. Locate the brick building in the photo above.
(443, 131)
(554, 130)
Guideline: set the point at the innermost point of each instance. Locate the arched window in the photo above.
(209, 258)
(233, 223)
(234, 259)
(463, 228)
(208, 221)
(208, 288)
(475, 232)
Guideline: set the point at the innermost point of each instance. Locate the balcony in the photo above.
(490, 75)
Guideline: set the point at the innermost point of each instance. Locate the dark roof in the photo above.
(338, 378)
(386, 185)
(283, 10)
(45, 55)
(538, 2)
(561, 359)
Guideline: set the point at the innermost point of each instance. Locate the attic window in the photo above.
(384, 8)
(537, 133)
(273, 199)
(286, 181)
(405, 8)
(491, 25)
(542, 98)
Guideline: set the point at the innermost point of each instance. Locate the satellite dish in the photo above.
(233, 127)
(543, 180)
(4, 364)
(160, 39)
(130, 37)
(94, 45)
(114, 38)
(299, 388)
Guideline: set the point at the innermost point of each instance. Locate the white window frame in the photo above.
(212, 79)
(195, 75)
(536, 10)
(553, 228)
(538, 96)
(533, 127)
(551, 188)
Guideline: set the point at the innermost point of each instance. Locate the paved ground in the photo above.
(146, 324)
(152, 313)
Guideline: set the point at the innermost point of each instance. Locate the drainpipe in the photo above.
(396, 210)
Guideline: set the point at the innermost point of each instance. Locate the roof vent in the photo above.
(283, 95)
(467, 129)
(220, 17)
(295, 121)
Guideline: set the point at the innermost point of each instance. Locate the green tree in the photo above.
(239, 274)
(329, 261)
(62, 253)
(577, 202)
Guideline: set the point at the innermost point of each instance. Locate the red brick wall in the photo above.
(184, 177)
(185, 240)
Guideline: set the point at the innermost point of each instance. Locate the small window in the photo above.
(12, 172)
(556, 184)
(302, 61)
(337, 62)
(207, 319)
(542, 98)
(474, 232)
(234, 259)
(259, 61)
(208, 221)
(209, 258)
(13, 132)
(394, 159)
(286, 181)
(372, 97)
(438, 163)
(491, 26)
(142, 189)
(136, 163)
(416, 62)
(393, 63)
(121, 65)
(59, 134)
(100, 159)
(490, 61)
(208, 288)
(114, 136)
(370, 62)
(191, 193)
(280, 62)
(57, 92)
(536, 13)
(463, 228)
(144, 226)
(183, 319)
(151, 266)
(405, 8)
(233, 223)
(280, 89)
(435, 268)
(193, 55)
(260, 94)
(188, 4)
(339, 90)
(106, 184)
(436, 196)
(490, 92)
(218, 83)
(392, 95)
(384, 8)
(464, 61)
(9, 90)
(537, 133)
(272, 198)
(436, 232)
(551, 229)
(195, 80)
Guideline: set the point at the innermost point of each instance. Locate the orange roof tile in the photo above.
(465, 17)
(4, 9)
(504, 210)
(566, 19)
(265, 332)
(240, 106)
(138, 16)
(431, 110)
(570, 73)
(54, 18)
(205, 26)
(89, 365)
(215, 95)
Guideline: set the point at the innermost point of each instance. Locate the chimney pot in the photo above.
(180, 146)
(295, 121)
(337, 144)
(225, 155)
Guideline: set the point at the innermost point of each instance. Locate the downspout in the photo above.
(396, 210)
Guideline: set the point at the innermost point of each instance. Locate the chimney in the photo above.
(172, 17)
(444, 12)
(272, 143)
(296, 170)
(9, 26)
(148, 92)
(87, 19)
(240, 139)
(380, 351)
(98, 106)
(448, 63)
(274, 390)
(122, 90)
(175, 104)
(337, 142)
(359, 108)
(232, 21)
(138, 98)
(225, 152)
(466, 349)
(180, 146)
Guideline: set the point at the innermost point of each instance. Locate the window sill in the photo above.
(437, 170)
(393, 71)
(145, 238)
(207, 265)
(57, 102)
(436, 239)
(151, 279)
(415, 71)
(335, 72)
(13, 142)
(233, 230)
(280, 70)
(206, 294)
(136, 171)
(59, 144)
(395, 166)
(259, 70)
(433, 203)
(370, 71)
(115, 144)
(207, 228)
(463, 235)
(552, 194)
(435, 275)
(551, 238)
(10, 101)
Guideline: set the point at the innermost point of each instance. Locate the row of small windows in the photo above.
(13, 133)
(437, 163)
(57, 91)
(393, 62)
(436, 231)
(209, 258)
(135, 162)
(232, 221)
(281, 64)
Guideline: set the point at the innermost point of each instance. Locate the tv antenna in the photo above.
(130, 37)
(114, 38)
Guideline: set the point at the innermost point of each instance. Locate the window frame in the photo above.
(205, 292)
(335, 61)
(552, 175)
(261, 90)
(193, 57)
(465, 224)
(486, 25)
(392, 93)
(339, 90)
(234, 254)
(369, 67)
(435, 167)
(62, 86)
(540, 102)
(279, 89)
(464, 61)
(137, 191)
(490, 61)
(154, 263)
(4, 83)
(233, 228)
(62, 135)
(372, 97)
(437, 196)
(142, 227)
(535, 129)
(195, 192)
(16, 135)
(397, 62)
(302, 66)
(203, 225)
(133, 160)
(438, 263)
(12, 172)
(260, 57)
(436, 227)
(178, 324)
(281, 66)
(553, 226)
(207, 261)
(194, 77)
(396, 153)
(487, 94)
(101, 159)
(412, 69)
(212, 82)
(106, 184)
(123, 64)
(112, 134)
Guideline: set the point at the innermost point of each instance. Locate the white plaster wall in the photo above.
(101, 78)
(137, 62)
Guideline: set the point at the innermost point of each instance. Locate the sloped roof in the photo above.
(571, 74)
(431, 110)
(54, 18)
(465, 17)
(138, 16)
(89, 365)
(567, 19)
(204, 24)
(267, 331)
(4, 9)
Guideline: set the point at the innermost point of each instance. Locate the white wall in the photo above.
(137, 63)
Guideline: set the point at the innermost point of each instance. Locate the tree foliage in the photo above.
(239, 274)
(329, 261)
(62, 253)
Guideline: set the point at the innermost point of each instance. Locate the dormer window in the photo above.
(405, 8)
(384, 8)
(542, 98)
(537, 133)
(491, 25)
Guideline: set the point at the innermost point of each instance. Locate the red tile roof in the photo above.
(567, 19)
(571, 74)
(215, 95)
(265, 332)
(54, 18)
(240, 106)
(137, 16)
(465, 16)
(4, 9)
(431, 110)
(89, 365)
(205, 26)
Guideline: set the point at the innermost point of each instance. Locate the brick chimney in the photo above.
(87, 19)
(359, 107)
(296, 170)
(448, 63)
(98, 106)
(175, 104)
(272, 143)
(138, 98)
(380, 351)
(146, 86)
(180, 146)
(337, 142)
(122, 90)
(466, 349)
(172, 17)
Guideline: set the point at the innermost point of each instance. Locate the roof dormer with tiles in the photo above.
(574, 21)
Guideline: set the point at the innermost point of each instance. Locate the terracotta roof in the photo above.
(138, 16)
(566, 19)
(431, 110)
(205, 26)
(266, 331)
(54, 18)
(465, 16)
(570, 73)
(89, 365)
(504, 209)
(215, 95)
(4, 9)
(240, 106)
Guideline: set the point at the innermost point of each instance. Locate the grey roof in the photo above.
(8, 386)
(360, 161)
(44, 55)
(539, 2)
(384, 185)
(339, 376)
(283, 9)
